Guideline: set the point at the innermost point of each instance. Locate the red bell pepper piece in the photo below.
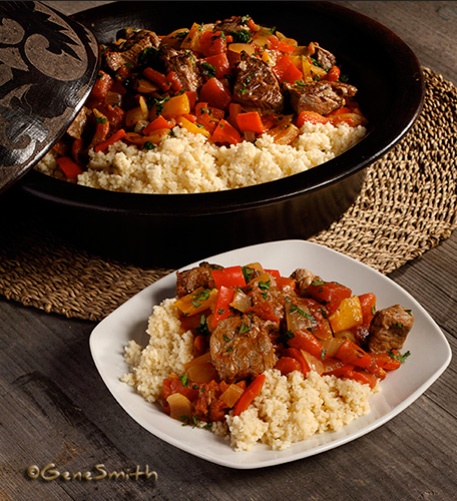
(70, 168)
(305, 340)
(329, 293)
(222, 305)
(158, 123)
(253, 389)
(231, 276)
(117, 136)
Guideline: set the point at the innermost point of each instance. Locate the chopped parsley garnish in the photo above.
(398, 356)
(244, 328)
(208, 70)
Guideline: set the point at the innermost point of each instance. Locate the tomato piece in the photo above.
(286, 365)
(284, 283)
(351, 353)
(253, 389)
(286, 71)
(220, 63)
(215, 93)
(329, 293)
(212, 43)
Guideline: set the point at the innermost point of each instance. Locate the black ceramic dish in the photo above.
(172, 230)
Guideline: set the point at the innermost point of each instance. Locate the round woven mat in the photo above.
(406, 207)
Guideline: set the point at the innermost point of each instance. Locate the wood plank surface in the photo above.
(55, 409)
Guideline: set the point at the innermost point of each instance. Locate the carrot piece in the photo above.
(351, 353)
(117, 136)
(102, 85)
(225, 133)
(70, 168)
(305, 340)
(311, 117)
(249, 394)
(158, 78)
(250, 121)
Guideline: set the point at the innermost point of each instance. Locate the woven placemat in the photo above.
(407, 206)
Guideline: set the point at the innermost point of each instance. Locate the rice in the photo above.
(189, 163)
(289, 408)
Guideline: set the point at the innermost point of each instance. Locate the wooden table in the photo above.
(55, 408)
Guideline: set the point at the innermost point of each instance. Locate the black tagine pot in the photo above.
(173, 230)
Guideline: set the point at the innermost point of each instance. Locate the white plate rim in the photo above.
(110, 336)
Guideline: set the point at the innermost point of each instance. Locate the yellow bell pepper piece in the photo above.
(176, 106)
(348, 315)
(197, 301)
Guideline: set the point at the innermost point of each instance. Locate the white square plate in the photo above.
(430, 354)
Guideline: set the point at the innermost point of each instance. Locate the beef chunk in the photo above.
(256, 86)
(324, 58)
(303, 279)
(322, 97)
(189, 280)
(241, 348)
(389, 329)
(184, 64)
(127, 53)
(235, 26)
